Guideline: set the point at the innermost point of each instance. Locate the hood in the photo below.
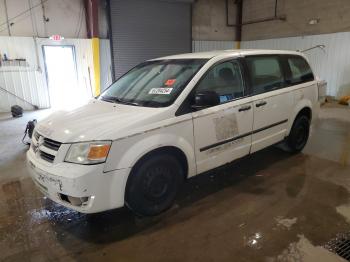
(97, 120)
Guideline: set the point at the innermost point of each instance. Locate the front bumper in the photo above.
(101, 190)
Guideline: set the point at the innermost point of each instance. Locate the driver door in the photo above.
(222, 133)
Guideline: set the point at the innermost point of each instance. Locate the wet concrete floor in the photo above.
(271, 206)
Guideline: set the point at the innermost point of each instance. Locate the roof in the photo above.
(211, 54)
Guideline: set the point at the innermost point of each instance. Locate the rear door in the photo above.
(272, 101)
(222, 133)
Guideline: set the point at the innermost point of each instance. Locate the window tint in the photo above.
(225, 79)
(300, 70)
(266, 74)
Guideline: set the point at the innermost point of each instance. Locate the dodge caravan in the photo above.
(169, 119)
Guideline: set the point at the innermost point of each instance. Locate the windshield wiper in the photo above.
(108, 99)
(118, 100)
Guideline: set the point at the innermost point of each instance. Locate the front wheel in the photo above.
(153, 184)
(299, 134)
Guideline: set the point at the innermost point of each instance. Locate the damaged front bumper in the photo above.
(84, 188)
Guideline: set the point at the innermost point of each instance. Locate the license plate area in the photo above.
(43, 180)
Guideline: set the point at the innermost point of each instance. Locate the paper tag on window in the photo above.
(160, 91)
(170, 82)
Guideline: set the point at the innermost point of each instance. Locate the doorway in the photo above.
(62, 78)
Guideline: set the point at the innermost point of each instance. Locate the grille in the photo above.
(36, 135)
(340, 246)
(47, 143)
(54, 145)
(48, 157)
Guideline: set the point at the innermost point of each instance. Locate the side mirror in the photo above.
(205, 99)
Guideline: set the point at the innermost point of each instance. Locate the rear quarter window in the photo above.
(265, 73)
(300, 70)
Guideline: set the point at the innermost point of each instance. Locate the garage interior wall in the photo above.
(332, 64)
(28, 80)
(143, 30)
(304, 24)
(43, 18)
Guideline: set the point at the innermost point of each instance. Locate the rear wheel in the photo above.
(153, 184)
(299, 134)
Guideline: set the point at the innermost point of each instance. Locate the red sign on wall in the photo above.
(56, 37)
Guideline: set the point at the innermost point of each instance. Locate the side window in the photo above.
(225, 79)
(265, 72)
(300, 70)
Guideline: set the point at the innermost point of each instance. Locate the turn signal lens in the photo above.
(98, 152)
(88, 153)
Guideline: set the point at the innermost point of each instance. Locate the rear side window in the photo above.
(265, 72)
(225, 79)
(300, 70)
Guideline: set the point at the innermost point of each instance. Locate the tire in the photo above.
(153, 184)
(299, 134)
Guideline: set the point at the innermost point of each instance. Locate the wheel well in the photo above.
(306, 111)
(171, 150)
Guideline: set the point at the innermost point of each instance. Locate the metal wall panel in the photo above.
(23, 79)
(142, 30)
(105, 64)
(29, 82)
(333, 65)
(202, 46)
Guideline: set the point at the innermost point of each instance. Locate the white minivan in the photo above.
(169, 119)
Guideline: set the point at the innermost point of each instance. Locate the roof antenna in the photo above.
(322, 47)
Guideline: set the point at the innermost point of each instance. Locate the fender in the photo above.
(125, 153)
(297, 108)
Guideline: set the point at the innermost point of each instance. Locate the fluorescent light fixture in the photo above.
(314, 21)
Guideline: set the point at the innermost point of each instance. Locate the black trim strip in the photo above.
(242, 136)
(269, 126)
(224, 142)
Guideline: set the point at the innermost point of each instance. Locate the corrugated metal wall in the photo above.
(28, 80)
(201, 46)
(23, 79)
(333, 65)
(105, 64)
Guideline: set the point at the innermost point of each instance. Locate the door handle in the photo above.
(244, 108)
(262, 103)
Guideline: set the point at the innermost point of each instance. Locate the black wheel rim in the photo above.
(157, 183)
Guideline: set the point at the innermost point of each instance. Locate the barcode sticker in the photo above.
(160, 91)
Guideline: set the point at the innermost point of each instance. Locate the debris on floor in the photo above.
(286, 222)
(305, 251)
(344, 100)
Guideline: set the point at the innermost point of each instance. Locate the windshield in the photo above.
(154, 83)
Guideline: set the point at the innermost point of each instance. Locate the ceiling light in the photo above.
(314, 21)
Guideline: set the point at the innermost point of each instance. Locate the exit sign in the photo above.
(56, 37)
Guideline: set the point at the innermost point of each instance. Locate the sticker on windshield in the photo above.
(160, 91)
(170, 82)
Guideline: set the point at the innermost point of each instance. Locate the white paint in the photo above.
(136, 131)
(333, 65)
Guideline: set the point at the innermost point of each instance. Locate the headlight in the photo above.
(88, 153)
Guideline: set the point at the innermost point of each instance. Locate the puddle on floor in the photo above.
(227, 213)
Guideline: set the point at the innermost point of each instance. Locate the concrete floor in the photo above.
(271, 206)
